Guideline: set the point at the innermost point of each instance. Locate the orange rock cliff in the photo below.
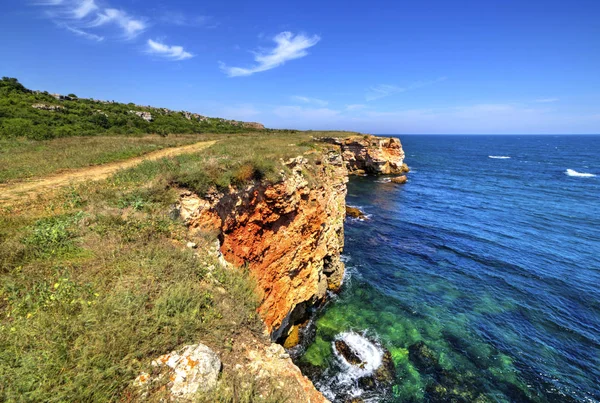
(291, 234)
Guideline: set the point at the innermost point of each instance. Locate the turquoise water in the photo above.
(492, 263)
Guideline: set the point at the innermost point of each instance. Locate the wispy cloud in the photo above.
(166, 51)
(87, 35)
(385, 90)
(80, 15)
(289, 47)
(546, 100)
(130, 26)
(307, 100)
(84, 8)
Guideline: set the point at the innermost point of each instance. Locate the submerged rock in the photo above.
(400, 180)
(354, 212)
(423, 357)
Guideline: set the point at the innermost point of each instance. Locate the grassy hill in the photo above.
(40, 115)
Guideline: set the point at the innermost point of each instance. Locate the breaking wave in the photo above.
(572, 172)
(499, 157)
(347, 375)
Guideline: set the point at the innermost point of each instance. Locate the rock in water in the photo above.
(192, 369)
(400, 180)
(349, 355)
(405, 168)
(386, 373)
(423, 357)
(354, 212)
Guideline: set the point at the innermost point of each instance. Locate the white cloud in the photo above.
(289, 47)
(87, 35)
(385, 90)
(166, 51)
(307, 100)
(546, 100)
(86, 14)
(84, 8)
(130, 26)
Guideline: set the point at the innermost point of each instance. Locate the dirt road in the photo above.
(20, 190)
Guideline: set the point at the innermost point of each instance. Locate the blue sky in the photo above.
(488, 66)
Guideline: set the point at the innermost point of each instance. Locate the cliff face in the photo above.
(290, 236)
(371, 154)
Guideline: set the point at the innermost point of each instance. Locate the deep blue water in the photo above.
(493, 263)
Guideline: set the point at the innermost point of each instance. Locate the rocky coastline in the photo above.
(290, 235)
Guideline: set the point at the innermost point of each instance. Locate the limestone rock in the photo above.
(274, 362)
(354, 212)
(400, 180)
(405, 168)
(46, 107)
(289, 234)
(349, 355)
(371, 154)
(194, 368)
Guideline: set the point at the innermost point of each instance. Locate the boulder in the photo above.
(400, 180)
(194, 368)
(354, 212)
(349, 355)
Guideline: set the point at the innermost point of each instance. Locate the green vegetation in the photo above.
(40, 115)
(22, 158)
(96, 281)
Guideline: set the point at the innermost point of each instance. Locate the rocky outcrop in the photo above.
(354, 212)
(289, 235)
(194, 368)
(47, 107)
(274, 362)
(253, 125)
(400, 180)
(147, 116)
(371, 154)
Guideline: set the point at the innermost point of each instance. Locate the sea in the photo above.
(480, 277)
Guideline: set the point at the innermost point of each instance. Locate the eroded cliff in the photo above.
(290, 234)
(371, 154)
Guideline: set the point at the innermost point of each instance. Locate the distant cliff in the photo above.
(371, 154)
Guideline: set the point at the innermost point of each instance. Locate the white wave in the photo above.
(572, 172)
(499, 157)
(347, 376)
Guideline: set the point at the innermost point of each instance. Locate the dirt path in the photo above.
(17, 191)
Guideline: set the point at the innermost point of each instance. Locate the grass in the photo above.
(22, 158)
(96, 281)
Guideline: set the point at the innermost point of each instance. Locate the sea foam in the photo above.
(572, 172)
(499, 157)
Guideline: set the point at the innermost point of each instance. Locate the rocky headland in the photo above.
(290, 234)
